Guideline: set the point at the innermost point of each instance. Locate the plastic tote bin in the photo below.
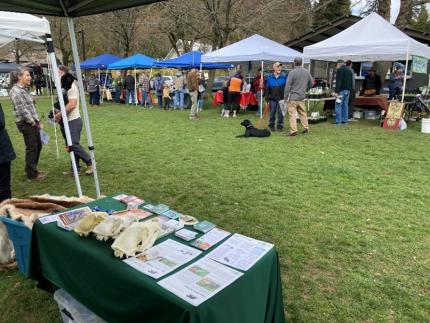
(72, 311)
(21, 239)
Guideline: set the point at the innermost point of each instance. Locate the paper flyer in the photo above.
(210, 239)
(240, 252)
(168, 256)
(200, 281)
(69, 219)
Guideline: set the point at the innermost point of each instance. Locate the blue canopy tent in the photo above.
(136, 61)
(99, 62)
(191, 59)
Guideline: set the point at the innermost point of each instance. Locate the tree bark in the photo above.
(384, 9)
(405, 13)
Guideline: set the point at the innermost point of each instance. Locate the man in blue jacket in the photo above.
(275, 86)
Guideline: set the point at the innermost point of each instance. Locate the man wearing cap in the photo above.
(275, 86)
(343, 87)
(298, 83)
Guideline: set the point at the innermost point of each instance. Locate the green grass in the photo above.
(346, 207)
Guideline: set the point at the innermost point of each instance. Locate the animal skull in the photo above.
(137, 238)
(109, 228)
(89, 222)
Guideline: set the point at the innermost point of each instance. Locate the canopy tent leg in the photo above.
(50, 76)
(83, 102)
(261, 90)
(135, 88)
(57, 82)
(406, 73)
(100, 80)
(105, 84)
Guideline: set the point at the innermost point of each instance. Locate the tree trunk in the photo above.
(384, 8)
(405, 13)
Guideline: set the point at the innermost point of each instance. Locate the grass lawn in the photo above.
(347, 207)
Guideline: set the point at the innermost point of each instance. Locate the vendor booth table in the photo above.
(380, 101)
(88, 270)
(246, 99)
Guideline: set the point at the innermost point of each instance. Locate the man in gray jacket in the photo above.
(298, 83)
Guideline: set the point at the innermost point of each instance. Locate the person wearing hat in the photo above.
(372, 83)
(343, 88)
(275, 87)
(396, 82)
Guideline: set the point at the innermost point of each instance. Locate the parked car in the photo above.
(167, 80)
(218, 82)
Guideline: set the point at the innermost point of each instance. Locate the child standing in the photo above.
(166, 97)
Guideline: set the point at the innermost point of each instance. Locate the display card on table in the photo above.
(240, 252)
(200, 281)
(69, 220)
(167, 256)
(210, 239)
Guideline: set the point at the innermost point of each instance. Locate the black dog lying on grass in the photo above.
(251, 131)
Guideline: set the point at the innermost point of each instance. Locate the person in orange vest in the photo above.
(235, 85)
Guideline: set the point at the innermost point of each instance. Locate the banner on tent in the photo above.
(419, 64)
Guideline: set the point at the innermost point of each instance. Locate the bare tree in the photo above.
(22, 48)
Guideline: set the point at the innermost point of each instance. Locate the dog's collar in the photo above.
(250, 125)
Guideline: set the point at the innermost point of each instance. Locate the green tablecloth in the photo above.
(87, 269)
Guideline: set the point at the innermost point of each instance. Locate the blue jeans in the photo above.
(160, 99)
(341, 109)
(275, 109)
(117, 93)
(127, 96)
(201, 100)
(145, 99)
(93, 98)
(178, 99)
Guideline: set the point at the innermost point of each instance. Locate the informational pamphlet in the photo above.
(129, 200)
(186, 234)
(160, 208)
(48, 219)
(200, 281)
(171, 214)
(149, 207)
(240, 252)
(210, 239)
(137, 214)
(166, 257)
(68, 220)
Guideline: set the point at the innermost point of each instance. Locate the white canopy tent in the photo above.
(254, 48)
(28, 27)
(371, 39)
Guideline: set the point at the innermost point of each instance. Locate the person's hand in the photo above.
(40, 125)
(57, 117)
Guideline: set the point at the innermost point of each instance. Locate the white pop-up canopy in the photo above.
(254, 48)
(28, 27)
(371, 39)
(22, 26)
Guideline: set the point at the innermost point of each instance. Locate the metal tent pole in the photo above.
(406, 73)
(83, 101)
(261, 89)
(51, 53)
(135, 88)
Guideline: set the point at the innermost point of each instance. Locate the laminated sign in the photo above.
(419, 64)
(394, 115)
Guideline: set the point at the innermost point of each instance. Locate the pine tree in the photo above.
(329, 10)
(422, 21)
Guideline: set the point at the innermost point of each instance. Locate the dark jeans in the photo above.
(5, 192)
(93, 98)
(38, 90)
(167, 102)
(233, 101)
(117, 94)
(75, 127)
(33, 146)
(275, 109)
(160, 99)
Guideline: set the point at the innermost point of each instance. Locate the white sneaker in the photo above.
(234, 114)
(226, 114)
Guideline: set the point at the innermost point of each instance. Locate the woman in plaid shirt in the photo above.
(27, 121)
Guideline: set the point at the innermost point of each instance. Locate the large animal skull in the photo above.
(109, 228)
(137, 238)
(89, 222)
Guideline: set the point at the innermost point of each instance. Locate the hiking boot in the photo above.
(292, 134)
(305, 131)
(90, 170)
(40, 177)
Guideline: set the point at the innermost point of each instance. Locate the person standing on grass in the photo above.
(235, 85)
(145, 88)
(38, 85)
(179, 85)
(258, 88)
(74, 120)
(343, 88)
(7, 154)
(27, 121)
(158, 87)
(201, 93)
(298, 83)
(275, 87)
(166, 97)
(193, 86)
(93, 83)
(129, 89)
(351, 93)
